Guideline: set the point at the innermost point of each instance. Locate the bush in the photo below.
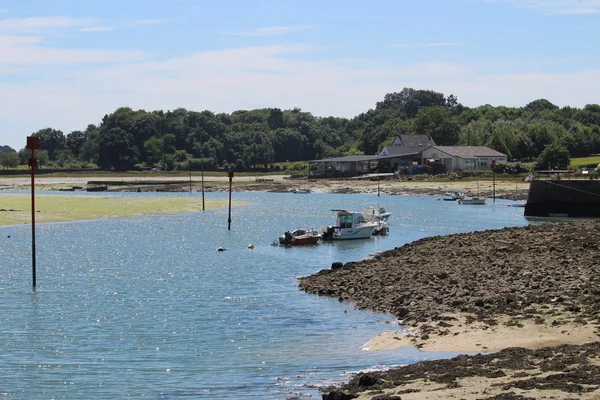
(511, 168)
(240, 165)
(299, 167)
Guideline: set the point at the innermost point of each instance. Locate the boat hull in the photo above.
(353, 233)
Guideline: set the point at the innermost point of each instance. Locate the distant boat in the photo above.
(375, 212)
(300, 237)
(301, 191)
(457, 195)
(476, 200)
(349, 225)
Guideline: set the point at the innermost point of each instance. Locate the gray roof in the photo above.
(404, 150)
(413, 140)
(353, 159)
(470, 151)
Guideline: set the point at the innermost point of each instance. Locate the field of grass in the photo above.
(593, 160)
(16, 208)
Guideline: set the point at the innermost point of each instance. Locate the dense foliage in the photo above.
(256, 139)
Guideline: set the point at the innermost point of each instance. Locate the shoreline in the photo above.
(504, 188)
(508, 293)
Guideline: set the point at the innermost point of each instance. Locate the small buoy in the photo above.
(8, 236)
(438, 199)
(250, 246)
(221, 249)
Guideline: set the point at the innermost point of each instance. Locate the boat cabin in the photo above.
(349, 219)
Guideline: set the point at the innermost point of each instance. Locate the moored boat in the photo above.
(457, 195)
(376, 212)
(349, 225)
(476, 200)
(300, 237)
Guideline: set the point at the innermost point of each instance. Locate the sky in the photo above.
(65, 64)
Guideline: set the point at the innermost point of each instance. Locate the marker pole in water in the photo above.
(33, 143)
(494, 179)
(230, 175)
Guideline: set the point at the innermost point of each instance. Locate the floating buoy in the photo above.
(438, 199)
(250, 246)
(221, 249)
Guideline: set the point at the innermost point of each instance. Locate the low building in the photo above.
(410, 154)
(463, 158)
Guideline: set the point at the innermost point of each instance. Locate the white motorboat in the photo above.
(476, 200)
(457, 195)
(349, 225)
(376, 212)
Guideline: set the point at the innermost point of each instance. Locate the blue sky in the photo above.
(66, 63)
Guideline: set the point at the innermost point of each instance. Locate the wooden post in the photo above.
(494, 180)
(33, 143)
(230, 175)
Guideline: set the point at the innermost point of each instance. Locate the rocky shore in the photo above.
(545, 276)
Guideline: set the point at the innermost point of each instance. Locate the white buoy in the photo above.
(250, 246)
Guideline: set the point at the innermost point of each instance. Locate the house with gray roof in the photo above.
(407, 152)
(463, 158)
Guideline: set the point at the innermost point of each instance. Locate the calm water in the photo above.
(146, 306)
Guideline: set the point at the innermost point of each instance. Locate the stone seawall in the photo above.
(563, 198)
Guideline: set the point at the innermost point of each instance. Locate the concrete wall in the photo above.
(574, 198)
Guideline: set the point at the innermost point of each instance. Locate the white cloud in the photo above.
(37, 25)
(425, 45)
(30, 51)
(270, 76)
(270, 31)
(555, 6)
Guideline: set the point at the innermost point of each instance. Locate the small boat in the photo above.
(300, 237)
(382, 229)
(476, 200)
(349, 225)
(376, 212)
(301, 191)
(457, 195)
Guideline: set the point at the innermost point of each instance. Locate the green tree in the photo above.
(9, 159)
(74, 141)
(410, 101)
(554, 156)
(116, 150)
(90, 149)
(439, 123)
(52, 141)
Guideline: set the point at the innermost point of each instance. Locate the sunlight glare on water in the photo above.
(148, 307)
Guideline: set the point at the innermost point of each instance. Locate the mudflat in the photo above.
(15, 209)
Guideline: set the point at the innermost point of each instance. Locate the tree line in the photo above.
(258, 139)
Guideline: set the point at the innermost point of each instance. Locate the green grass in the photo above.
(16, 208)
(577, 162)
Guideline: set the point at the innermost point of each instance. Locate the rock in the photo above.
(337, 265)
(338, 395)
(367, 380)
